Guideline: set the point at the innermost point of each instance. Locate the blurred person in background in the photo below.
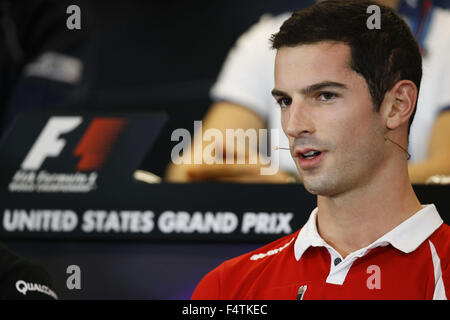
(243, 100)
(42, 61)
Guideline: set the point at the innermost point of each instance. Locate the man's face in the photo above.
(327, 107)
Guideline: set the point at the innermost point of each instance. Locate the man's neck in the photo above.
(355, 219)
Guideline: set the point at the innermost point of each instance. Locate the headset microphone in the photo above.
(385, 138)
(276, 148)
(406, 151)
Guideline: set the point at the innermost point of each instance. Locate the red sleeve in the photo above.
(209, 287)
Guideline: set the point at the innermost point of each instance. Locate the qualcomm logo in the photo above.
(92, 149)
(24, 287)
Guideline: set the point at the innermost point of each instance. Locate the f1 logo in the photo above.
(48, 144)
(93, 147)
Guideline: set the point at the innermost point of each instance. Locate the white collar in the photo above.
(406, 237)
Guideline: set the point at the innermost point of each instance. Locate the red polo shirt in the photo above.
(409, 262)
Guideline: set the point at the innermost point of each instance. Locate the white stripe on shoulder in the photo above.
(439, 289)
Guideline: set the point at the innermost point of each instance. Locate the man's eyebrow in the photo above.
(312, 88)
(276, 92)
(322, 85)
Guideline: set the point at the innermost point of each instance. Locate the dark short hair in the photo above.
(382, 56)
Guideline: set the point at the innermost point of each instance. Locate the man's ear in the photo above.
(398, 104)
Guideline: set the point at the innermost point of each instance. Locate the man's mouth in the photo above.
(309, 158)
(307, 153)
(310, 155)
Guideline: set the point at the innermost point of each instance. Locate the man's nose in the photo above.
(299, 120)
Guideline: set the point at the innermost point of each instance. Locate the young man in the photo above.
(242, 98)
(348, 95)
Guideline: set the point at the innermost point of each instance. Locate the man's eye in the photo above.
(326, 96)
(284, 102)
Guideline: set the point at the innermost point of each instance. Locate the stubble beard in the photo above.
(341, 174)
